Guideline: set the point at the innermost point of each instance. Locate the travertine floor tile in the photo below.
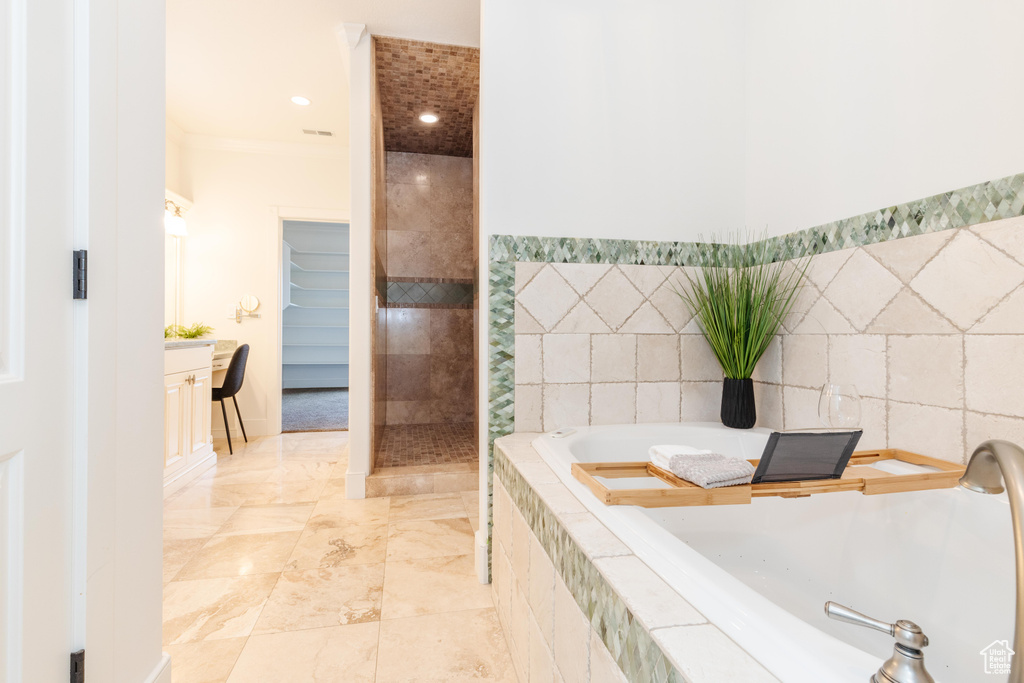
(202, 523)
(335, 654)
(337, 513)
(213, 609)
(267, 519)
(316, 598)
(207, 661)
(177, 552)
(454, 646)
(429, 538)
(339, 546)
(240, 555)
(432, 585)
(428, 506)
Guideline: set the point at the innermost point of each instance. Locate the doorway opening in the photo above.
(314, 326)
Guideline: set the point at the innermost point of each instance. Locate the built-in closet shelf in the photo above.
(315, 330)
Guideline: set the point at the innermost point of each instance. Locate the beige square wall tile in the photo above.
(542, 662)
(528, 359)
(927, 369)
(874, 421)
(769, 368)
(801, 407)
(613, 403)
(981, 427)
(698, 361)
(700, 401)
(657, 357)
(614, 358)
(858, 359)
(520, 550)
(928, 430)
(310, 655)
(572, 636)
(657, 402)
(603, 668)
(805, 360)
(529, 415)
(548, 297)
(768, 403)
(567, 358)
(566, 405)
(995, 374)
(542, 590)
(519, 633)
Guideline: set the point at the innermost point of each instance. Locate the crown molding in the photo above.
(293, 149)
(353, 33)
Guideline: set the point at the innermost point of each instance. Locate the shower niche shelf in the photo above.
(931, 473)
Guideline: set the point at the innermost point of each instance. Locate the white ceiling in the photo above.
(233, 65)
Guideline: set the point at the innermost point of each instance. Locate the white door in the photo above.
(37, 169)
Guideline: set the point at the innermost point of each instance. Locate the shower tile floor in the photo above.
(430, 444)
(271, 574)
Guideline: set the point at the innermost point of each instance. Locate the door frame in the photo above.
(278, 215)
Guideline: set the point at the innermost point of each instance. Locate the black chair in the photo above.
(232, 383)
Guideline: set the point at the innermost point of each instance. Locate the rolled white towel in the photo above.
(702, 467)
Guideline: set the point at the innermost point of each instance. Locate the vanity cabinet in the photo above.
(188, 436)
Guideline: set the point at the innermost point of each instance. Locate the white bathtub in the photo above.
(762, 572)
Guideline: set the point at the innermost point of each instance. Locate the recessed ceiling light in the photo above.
(300, 100)
(428, 118)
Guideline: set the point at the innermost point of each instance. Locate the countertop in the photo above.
(187, 343)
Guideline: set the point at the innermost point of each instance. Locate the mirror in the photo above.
(249, 303)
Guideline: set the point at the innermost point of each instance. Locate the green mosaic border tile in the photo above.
(981, 203)
(629, 643)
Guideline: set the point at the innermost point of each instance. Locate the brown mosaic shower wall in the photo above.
(429, 238)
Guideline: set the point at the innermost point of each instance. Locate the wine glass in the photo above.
(839, 406)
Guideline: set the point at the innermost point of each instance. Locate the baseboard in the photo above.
(162, 672)
(355, 485)
(480, 546)
(190, 474)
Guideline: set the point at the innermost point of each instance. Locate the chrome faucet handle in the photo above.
(907, 633)
(907, 662)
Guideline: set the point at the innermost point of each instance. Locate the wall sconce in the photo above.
(174, 222)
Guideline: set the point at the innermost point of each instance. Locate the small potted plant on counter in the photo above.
(739, 299)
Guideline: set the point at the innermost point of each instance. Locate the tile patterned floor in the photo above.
(272, 576)
(433, 444)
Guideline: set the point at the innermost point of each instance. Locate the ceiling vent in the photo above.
(325, 133)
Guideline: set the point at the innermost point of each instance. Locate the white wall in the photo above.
(856, 106)
(603, 119)
(233, 244)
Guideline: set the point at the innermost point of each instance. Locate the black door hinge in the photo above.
(80, 273)
(78, 667)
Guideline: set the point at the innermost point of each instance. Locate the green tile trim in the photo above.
(629, 643)
(981, 203)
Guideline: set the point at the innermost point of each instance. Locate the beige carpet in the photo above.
(314, 410)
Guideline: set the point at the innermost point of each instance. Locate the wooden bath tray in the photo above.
(867, 480)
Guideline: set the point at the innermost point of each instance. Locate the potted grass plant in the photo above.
(739, 299)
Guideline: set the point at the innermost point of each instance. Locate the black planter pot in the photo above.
(738, 409)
